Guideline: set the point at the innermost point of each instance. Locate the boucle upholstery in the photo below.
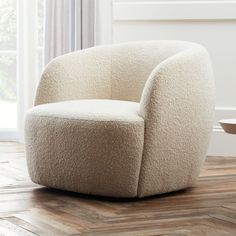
(82, 137)
(84, 145)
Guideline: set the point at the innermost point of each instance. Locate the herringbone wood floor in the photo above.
(28, 209)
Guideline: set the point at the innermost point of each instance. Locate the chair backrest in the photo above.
(133, 62)
(116, 71)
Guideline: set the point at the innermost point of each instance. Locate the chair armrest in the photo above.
(180, 83)
(177, 104)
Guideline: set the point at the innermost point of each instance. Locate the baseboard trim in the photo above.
(222, 144)
(9, 135)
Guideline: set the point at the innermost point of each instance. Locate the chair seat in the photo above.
(90, 110)
(86, 146)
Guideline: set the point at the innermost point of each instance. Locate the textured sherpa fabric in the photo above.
(89, 146)
(105, 72)
(155, 141)
(178, 107)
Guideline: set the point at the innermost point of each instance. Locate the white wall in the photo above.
(210, 23)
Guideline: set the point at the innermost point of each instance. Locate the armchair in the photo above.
(125, 120)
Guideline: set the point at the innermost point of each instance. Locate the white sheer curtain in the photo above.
(76, 24)
(27, 60)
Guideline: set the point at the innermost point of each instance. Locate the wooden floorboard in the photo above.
(209, 208)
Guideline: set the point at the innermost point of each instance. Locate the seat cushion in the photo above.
(91, 109)
(86, 146)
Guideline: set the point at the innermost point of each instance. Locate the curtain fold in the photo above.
(27, 60)
(76, 24)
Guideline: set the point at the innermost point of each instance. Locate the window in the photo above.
(8, 90)
(21, 26)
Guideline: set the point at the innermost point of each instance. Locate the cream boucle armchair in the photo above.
(126, 120)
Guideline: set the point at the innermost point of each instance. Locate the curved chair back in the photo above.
(105, 72)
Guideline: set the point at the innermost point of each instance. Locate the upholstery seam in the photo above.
(84, 120)
(142, 159)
